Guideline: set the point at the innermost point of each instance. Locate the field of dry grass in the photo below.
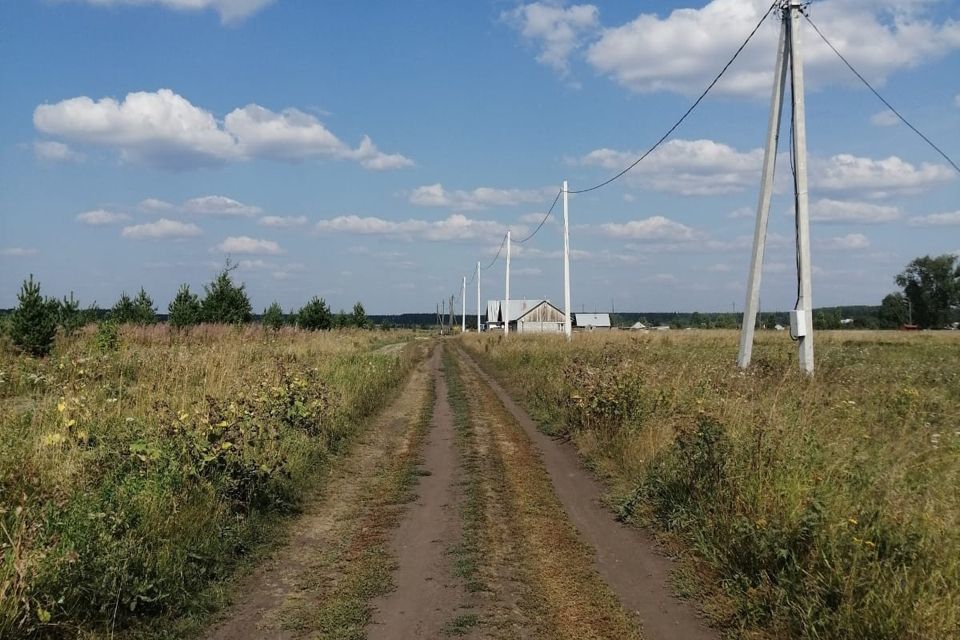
(135, 474)
(804, 508)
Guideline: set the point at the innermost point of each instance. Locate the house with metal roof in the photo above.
(591, 321)
(525, 316)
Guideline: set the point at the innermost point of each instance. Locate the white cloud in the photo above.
(879, 178)
(230, 11)
(885, 119)
(687, 167)
(163, 129)
(17, 252)
(719, 268)
(655, 228)
(161, 229)
(283, 222)
(742, 212)
(849, 242)
(52, 151)
(434, 195)
(827, 210)
(454, 227)
(248, 245)
(682, 51)
(154, 205)
(99, 217)
(555, 29)
(219, 206)
(936, 219)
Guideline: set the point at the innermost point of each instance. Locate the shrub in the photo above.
(107, 337)
(273, 316)
(184, 310)
(225, 302)
(34, 323)
(315, 315)
(143, 310)
(123, 311)
(68, 315)
(359, 317)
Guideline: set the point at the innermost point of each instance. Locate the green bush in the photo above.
(273, 316)
(315, 315)
(34, 323)
(107, 337)
(184, 310)
(226, 302)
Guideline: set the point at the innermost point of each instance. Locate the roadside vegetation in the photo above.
(804, 508)
(140, 463)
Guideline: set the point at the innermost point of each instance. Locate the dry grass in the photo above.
(132, 478)
(823, 508)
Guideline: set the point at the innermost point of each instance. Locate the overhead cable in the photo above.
(688, 112)
(555, 200)
(880, 97)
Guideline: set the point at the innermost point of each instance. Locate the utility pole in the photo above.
(443, 312)
(463, 306)
(505, 313)
(788, 50)
(450, 316)
(439, 322)
(567, 323)
(478, 296)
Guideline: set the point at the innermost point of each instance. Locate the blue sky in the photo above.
(376, 151)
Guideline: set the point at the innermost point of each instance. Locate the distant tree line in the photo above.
(35, 322)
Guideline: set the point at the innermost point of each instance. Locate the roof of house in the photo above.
(537, 306)
(517, 308)
(591, 319)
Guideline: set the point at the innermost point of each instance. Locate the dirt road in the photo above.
(456, 517)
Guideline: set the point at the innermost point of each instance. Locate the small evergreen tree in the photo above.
(143, 310)
(123, 311)
(359, 317)
(341, 320)
(184, 310)
(224, 301)
(315, 315)
(68, 315)
(273, 317)
(34, 323)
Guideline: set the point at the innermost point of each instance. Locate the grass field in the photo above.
(135, 474)
(823, 508)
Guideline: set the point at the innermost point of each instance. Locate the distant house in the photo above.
(846, 321)
(591, 321)
(638, 326)
(525, 316)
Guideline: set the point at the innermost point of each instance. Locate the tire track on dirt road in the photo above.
(626, 558)
(428, 595)
(320, 580)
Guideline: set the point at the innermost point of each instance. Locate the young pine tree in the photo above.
(68, 315)
(184, 310)
(315, 315)
(359, 317)
(143, 310)
(273, 316)
(34, 323)
(226, 302)
(123, 311)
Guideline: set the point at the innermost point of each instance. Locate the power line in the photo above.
(688, 112)
(881, 98)
(502, 242)
(555, 200)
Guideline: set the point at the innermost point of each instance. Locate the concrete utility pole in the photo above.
(801, 323)
(463, 306)
(478, 296)
(567, 322)
(506, 312)
(450, 316)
